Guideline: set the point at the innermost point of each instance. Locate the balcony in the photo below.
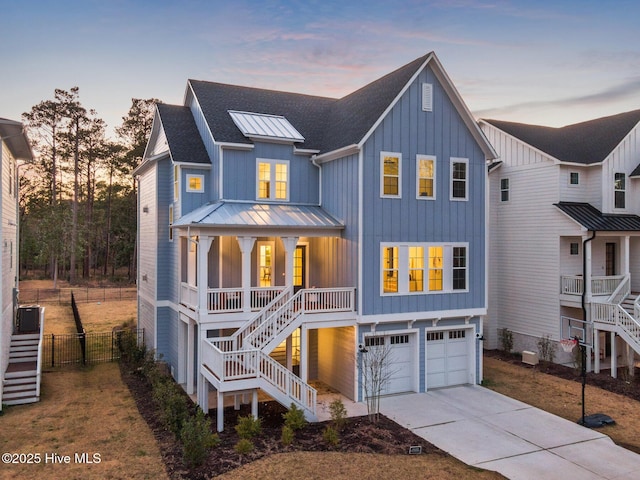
(228, 300)
(573, 285)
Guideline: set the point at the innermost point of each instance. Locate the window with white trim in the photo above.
(272, 180)
(504, 189)
(390, 178)
(170, 223)
(459, 180)
(415, 268)
(426, 178)
(176, 183)
(195, 183)
(620, 190)
(574, 178)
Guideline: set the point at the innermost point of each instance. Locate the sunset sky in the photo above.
(544, 62)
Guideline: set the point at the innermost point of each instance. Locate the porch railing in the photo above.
(614, 314)
(574, 284)
(226, 300)
(246, 364)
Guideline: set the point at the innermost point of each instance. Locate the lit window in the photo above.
(426, 168)
(459, 178)
(273, 180)
(435, 268)
(390, 269)
(416, 269)
(195, 183)
(504, 190)
(391, 166)
(620, 190)
(265, 265)
(424, 268)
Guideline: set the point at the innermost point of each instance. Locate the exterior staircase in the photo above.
(22, 377)
(242, 361)
(621, 310)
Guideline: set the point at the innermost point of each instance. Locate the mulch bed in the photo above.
(359, 435)
(625, 384)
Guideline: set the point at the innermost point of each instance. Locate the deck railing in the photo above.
(574, 284)
(226, 300)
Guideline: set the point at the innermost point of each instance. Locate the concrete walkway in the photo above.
(488, 430)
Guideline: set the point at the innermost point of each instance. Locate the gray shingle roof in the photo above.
(586, 142)
(13, 135)
(594, 220)
(325, 123)
(182, 134)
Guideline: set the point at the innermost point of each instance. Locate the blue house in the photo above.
(282, 235)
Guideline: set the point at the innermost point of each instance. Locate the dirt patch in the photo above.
(386, 441)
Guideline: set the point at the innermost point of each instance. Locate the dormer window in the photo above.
(272, 180)
(620, 189)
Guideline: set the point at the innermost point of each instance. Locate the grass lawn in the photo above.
(82, 410)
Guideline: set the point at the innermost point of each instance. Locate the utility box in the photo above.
(530, 358)
(28, 319)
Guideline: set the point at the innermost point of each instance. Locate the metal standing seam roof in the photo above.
(237, 214)
(263, 125)
(594, 220)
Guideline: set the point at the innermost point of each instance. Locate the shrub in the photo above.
(243, 446)
(248, 427)
(546, 348)
(287, 435)
(338, 414)
(506, 339)
(197, 438)
(171, 402)
(330, 435)
(294, 418)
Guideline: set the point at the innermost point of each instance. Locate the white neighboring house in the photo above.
(20, 377)
(558, 196)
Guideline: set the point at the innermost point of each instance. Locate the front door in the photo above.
(300, 268)
(610, 259)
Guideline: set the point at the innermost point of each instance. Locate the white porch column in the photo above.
(290, 250)
(587, 271)
(190, 351)
(596, 350)
(625, 247)
(254, 403)
(220, 411)
(289, 352)
(304, 357)
(246, 247)
(204, 245)
(203, 393)
(614, 356)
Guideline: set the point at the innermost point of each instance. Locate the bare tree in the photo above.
(375, 362)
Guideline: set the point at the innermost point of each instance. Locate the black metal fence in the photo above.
(87, 348)
(83, 295)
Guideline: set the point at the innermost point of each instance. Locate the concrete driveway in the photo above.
(488, 430)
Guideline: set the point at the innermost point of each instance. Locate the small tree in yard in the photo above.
(374, 361)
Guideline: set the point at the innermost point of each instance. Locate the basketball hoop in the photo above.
(568, 344)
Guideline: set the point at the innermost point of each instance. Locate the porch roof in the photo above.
(594, 220)
(245, 215)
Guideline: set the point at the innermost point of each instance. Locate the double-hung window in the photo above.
(459, 178)
(426, 178)
(504, 189)
(390, 178)
(272, 180)
(414, 268)
(620, 189)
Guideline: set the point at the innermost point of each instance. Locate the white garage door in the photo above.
(401, 369)
(447, 358)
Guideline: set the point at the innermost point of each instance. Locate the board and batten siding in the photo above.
(168, 287)
(147, 253)
(210, 146)
(525, 243)
(408, 130)
(623, 159)
(336, 258)
(336, 353)
(240, 173)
